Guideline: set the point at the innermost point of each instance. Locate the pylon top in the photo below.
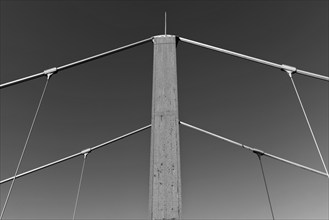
(167, 35)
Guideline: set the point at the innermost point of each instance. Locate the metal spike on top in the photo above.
(165, 30)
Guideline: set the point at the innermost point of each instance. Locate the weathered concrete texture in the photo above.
(165, 180)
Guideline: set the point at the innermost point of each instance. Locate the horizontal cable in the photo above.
(255, 150)
(257, 60)
(56, 69)
(83, 152)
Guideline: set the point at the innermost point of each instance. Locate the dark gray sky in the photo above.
(95, 102)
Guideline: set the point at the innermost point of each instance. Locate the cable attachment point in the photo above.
(289, 69)
(246, 147)
(258, 152)
(50, 72)
(85, 152)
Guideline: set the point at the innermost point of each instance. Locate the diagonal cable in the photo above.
(79, 187)
(255, 150)
(308, 123)
(76, 154)
(24, 148)
(69, 65)
(254, 59)
(266, 187)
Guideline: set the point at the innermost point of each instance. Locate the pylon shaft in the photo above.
(165, 180)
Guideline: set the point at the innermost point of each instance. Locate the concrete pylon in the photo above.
(165, 179)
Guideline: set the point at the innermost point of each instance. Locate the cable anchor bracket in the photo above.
(288, 69)
(50, 72)
(258, 152)
(85, 152)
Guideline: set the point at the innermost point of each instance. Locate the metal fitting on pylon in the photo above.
(288, 69)
(50, 72)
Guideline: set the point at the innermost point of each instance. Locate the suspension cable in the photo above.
(307, 121)
(266, 187)
(24, 148)
(255, 149)
(76, 154)
(85, 60)
(253, 59)
(79, 187)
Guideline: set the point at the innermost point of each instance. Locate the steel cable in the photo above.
(24, 148)
(264, 178)
(79, 187)
(254, 149)
(308, 123)
(254, 59)
(69, 65)
(76, 154)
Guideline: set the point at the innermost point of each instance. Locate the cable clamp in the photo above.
(258, 152)
(85, 152)
(246, 147)
(50, 72)
(289, 69)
